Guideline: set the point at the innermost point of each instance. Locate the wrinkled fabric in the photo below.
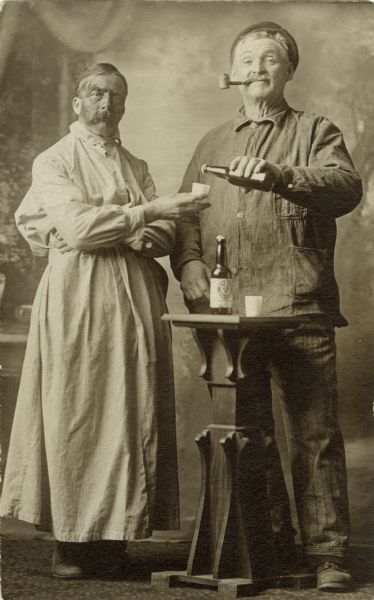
(93, 446)
(303, 364)
(86, 26)
(280, 244)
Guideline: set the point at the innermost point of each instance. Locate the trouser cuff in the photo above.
(314, 560)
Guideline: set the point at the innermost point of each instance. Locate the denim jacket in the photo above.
(280, 243)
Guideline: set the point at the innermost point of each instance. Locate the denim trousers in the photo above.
(302, 363)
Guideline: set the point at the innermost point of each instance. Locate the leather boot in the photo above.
(332, 577)
(67, 560)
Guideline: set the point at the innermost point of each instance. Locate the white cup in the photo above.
(200, 188)
(253, 306)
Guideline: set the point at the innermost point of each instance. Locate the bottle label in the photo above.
(220, 293)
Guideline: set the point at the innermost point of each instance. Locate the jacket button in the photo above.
(240, 215)
(290, 186)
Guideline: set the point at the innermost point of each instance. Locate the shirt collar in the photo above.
(81, 132)
(275, 115)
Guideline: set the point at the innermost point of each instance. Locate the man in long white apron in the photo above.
(92, 455)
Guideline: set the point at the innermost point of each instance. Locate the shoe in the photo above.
(67, 561)
(332, 577)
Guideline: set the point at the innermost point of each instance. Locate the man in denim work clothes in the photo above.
(280, 245)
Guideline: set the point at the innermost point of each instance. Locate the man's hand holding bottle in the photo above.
(247, 173)
(247, 167)
(209, 289)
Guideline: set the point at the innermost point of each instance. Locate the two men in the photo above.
(95, 421)
(92, 456)
(280, 245)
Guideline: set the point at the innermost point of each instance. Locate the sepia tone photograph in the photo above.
(186, 299)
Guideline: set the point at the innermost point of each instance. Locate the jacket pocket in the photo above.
(309, 269)
(284, 209)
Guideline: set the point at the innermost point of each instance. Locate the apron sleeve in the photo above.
(158, 237)
(82, 226)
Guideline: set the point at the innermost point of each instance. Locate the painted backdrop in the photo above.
(172, 54)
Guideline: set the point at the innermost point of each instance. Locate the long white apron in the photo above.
(93, 448)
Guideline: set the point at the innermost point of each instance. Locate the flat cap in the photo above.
(273, 28)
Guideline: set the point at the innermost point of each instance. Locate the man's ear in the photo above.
(77, 106)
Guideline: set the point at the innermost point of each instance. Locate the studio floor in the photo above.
(26, 575)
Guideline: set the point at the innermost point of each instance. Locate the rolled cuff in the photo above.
(135, 224)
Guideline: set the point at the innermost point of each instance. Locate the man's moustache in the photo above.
(104, 115)
(254, 79)
(225, 82)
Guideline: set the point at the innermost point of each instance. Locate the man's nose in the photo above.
(106, 100)
(257, 65)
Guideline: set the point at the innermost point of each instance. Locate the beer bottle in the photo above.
(220, 282)
(258, 181)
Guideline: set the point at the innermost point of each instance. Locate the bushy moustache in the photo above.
(104, 114)
(254, 79)
(250, 80)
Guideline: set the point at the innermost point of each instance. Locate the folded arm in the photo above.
(82, 226)
(55, 203)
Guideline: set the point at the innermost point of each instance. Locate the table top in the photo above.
(241, 322)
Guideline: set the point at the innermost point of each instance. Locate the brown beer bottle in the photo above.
(258, 181)
(220, 282)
